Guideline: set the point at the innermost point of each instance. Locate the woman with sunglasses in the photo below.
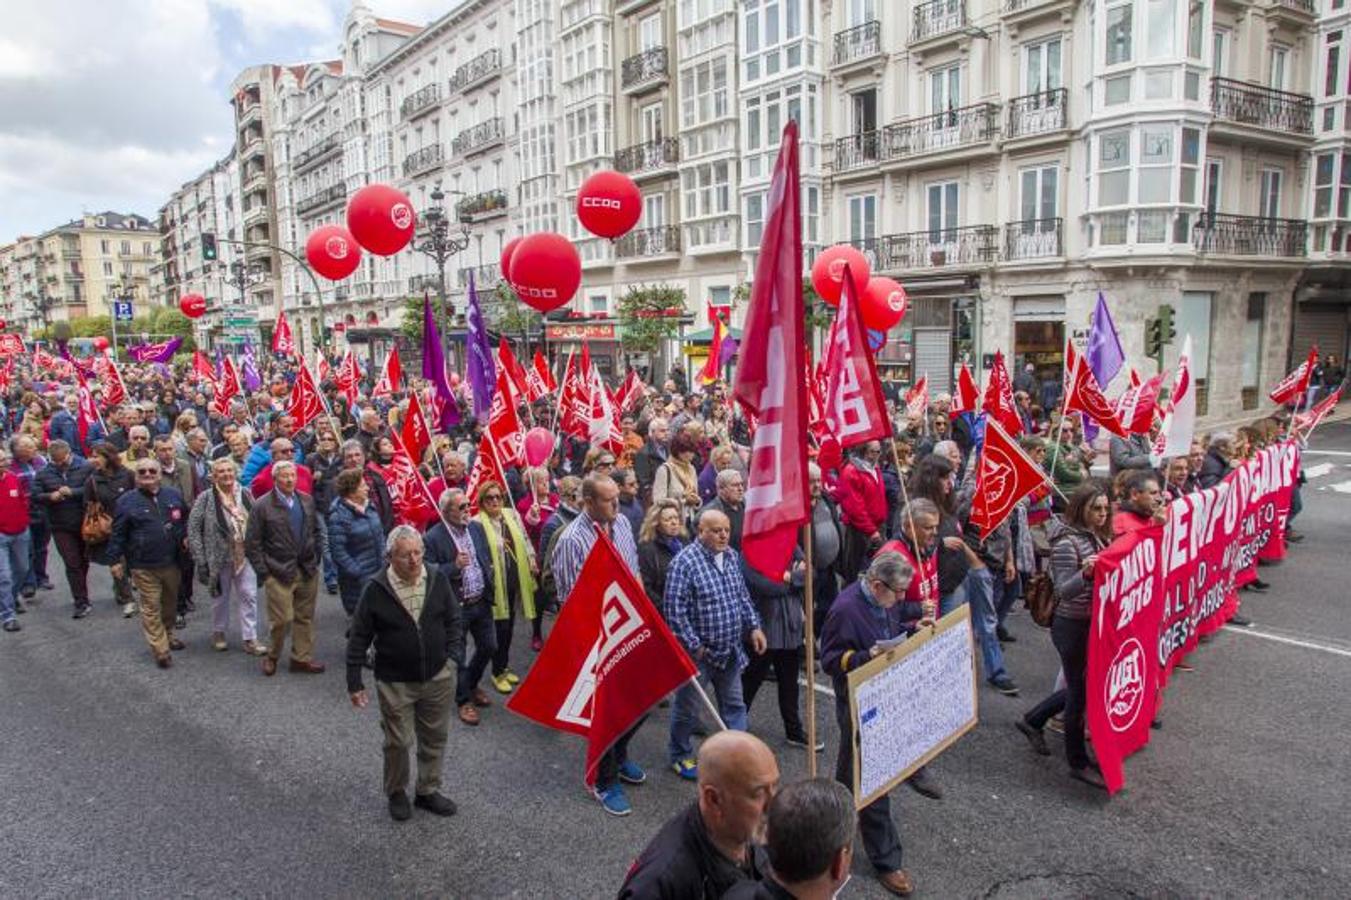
(513, 576)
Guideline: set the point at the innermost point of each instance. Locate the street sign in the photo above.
(233, 339)
(122, 311)
(238, 322)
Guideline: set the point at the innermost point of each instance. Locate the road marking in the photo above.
(1318, 471)
(1294, 642)
(1341, 487)
(819, 688)
(1327, 452)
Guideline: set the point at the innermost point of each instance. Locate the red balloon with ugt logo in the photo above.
(545, 270)
(505, 260)
(101, 343)
(332, 252)
(828, 272)
(381, 219)
(883, 304)
(192, 305)
(609, 204)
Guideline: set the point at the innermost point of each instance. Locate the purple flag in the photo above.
(434, 369)
(249, 369)
(155, 353)
(1105, 356)
(479, 353)
(220, 362)
(86, 369)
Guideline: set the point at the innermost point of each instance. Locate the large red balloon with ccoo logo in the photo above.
(381, 218)
(192, 305)
(828, 272)
(883, 304)
(545, 270)
(332, 252)
(609, 204)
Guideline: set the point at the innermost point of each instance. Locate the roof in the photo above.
(402, 27)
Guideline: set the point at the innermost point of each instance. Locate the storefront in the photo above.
(1039, 336)
(598, 334)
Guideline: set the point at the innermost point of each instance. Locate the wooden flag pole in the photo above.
(809, 634)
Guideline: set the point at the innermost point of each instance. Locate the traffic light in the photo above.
(1167, 331)
(208, 247)
(1154, 338)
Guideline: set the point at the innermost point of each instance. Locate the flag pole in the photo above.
(809, 624)
(708, 704)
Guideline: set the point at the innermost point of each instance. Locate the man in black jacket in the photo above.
(715, 843)
(150, 527)
(413, 617)
(60, 487)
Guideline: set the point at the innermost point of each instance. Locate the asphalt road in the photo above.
(122, 780)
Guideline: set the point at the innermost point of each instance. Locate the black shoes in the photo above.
(399, 808)
(922, 784)
(81, 611)
(1240, 621)
(1090, 776)
(1004, 684)
(1034, 736)
(12, 625)
(433, 803)
(1259, 585)
(19, 608)
(1003, 634)
(1293, 537)
(28, 593)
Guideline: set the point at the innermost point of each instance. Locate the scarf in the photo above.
(672, 544)
(525, 581)
(236, 521)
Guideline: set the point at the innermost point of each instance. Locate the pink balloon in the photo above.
(539, 445)
(454, 379)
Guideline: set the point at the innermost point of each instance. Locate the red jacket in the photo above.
(262, 482)
(13, 505)
(863, 500)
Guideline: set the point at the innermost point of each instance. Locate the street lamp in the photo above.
(242, 276)
(438, 244)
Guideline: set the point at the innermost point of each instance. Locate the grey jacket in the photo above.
(1070, 547)
(209, 537)
(1129, 453)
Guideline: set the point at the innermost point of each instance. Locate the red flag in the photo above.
(630, 392)
(574, 405)
(539, 379)
(504, 426)
(6, 374)
(408, 493)
(1005, 476)
(87, 414)
(917, 398)
(416, 436)
(390, 378)
(227, 387)
(486, 469)
(965, 398)
(856, 408)
(1294, 386)
(1083, 395)
(282, 342)
(712, 366)
(305, 403)
(998, 402)
(515, 372)
(321, 367)
(44, 360)
(609, 659)
(114, 391)
(603, 417)
(816, 400)
(1137, 407)
(1308, 421)
(349, 377)
(769, 376)
(202, 369)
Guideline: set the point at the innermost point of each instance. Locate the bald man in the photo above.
(716, 842)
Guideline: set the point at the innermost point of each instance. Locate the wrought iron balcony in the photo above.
(659, 241)
(648, 156)
(1304, 6)
(429, 157)
(1264, 107)
(646, 68)
(1039, 113)
(483, 205)
(329, 196)
(1250, 235)
(418, 283)
(960, 127)
(308, 159)
(1034, 239)
(936, 248)
(482, 67)
(938, 17)
(859, 42)
(485, 277)
(479, 137)
(858, 151)
(420, 101)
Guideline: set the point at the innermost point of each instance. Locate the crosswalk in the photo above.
(1328, 470)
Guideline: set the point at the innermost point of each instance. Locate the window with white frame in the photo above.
(862, 218)
(1344, 187)
(649, 32)
(1214, 173)
(943, 212)
(860, 12)
(945, 88)
(1332, 60)
(1119, 32)
(1219, 52)
(707, 189)
(1324, 173)
(1196, 24)
(1269, 200)
(1161, 27)
(1157, 155)
(703, 92)
(755, 218)
(1276, 66)
(1038, 189)
(650, 123)
(811, 215)
(1114, 173)
(1041, 66)
(654, 210)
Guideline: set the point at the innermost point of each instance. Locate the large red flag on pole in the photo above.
(202, 369)
(917, 398)
(965, 398)
(515, 372)
(348, 379)
(540, 378)
(305, 403)
(769, 382)
(1083, 395)
(856, 408)
(1308, 421)
(115, 391)
(408, 493)
(388, 384)
(282, 341)
(1293, 386)
(1137, 406)
(998, 403)
(486, 469)
(226, 388)
(574, 404)
(504, 425)
(1005, 475)
(609, 659)
(416, 435)
(713, 366)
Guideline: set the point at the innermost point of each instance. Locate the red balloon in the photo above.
(609, 204)
(883, 304)
(545, 270)
(101, 342)
(3, 323)
(828, 271)
(507, 251)
(332, 252)
(381, 219)
(192, 305)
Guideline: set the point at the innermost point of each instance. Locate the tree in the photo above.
(649, 316)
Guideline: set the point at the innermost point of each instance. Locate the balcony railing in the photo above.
(659, 241)
(859, 42)
(429, 157)
(958, 127)
(418, 283)
(1039, 113)
(858, 150)
(482, 205)
(480, 68)
(934, 249)
(485, 277)
(254, 213)
(1250, 235)
(330, 195)
(1264, 107)
(648, 156)
(420, 101)
(1304, 6)
(307, 159)
(477, 138)
(1034, 239)
(938, 17)
(650, 65)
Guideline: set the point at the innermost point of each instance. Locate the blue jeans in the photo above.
(948, 602)
(1005, 594)
(35, 574)
(14, 559)
(685, 710)
(984, 620)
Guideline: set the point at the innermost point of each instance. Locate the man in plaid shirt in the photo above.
(709, 609)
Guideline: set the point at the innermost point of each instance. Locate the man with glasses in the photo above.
(176, 474)
(869, 612)
(282, 449)
(150, 529)
(138, 445)
(731, 502)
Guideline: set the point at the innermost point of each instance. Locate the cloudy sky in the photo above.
(112, 104)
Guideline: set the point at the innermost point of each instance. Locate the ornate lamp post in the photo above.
(438, 243)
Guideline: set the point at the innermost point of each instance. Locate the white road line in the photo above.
(1327, 452)
(1341, 487)
(820, 688)
(1294, 642)
(1318, 471)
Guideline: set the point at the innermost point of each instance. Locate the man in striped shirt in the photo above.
(600, 511)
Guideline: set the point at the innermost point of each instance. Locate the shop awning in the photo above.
(705, 335)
